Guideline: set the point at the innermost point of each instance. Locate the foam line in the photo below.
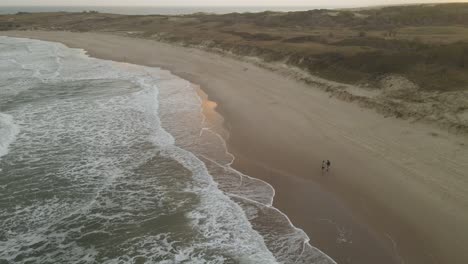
(8, 132)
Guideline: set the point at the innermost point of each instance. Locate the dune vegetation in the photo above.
(411, 61)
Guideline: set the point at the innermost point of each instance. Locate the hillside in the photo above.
(409, 61)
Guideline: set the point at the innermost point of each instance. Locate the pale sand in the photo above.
(395, 190)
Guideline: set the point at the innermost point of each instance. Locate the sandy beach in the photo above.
(396, 191)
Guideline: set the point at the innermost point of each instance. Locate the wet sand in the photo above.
(396, 192)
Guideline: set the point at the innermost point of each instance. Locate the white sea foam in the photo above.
(8, 132)
(120, 117)
(89, 124)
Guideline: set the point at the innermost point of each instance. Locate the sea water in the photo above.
(106, 162)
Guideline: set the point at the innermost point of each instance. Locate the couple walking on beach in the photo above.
(326, 165)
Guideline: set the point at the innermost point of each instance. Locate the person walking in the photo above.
(328, 165)
(323, 166)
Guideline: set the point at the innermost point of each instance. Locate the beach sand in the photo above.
(397, 191)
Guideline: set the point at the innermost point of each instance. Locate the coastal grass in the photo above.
(424, 44)
(428, 44)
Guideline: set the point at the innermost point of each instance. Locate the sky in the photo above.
(213, 2)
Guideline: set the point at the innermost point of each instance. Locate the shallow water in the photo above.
(115, 163)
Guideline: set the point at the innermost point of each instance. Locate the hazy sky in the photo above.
(215, 2)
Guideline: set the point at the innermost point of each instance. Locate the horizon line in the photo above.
(411, 3)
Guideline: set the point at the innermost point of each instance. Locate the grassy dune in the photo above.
(425, 44)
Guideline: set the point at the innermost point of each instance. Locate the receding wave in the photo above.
(8, 132)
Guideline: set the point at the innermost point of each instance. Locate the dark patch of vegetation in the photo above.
(255, 36)
(378, 18)
(304, 39)
(8, 26)
(418, 15)
(381, 43)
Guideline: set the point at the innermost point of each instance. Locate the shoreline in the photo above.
(216, 121)
(326, 239)
(261, 114)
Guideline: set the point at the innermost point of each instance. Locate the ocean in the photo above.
(107, 162)
(161, 10)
